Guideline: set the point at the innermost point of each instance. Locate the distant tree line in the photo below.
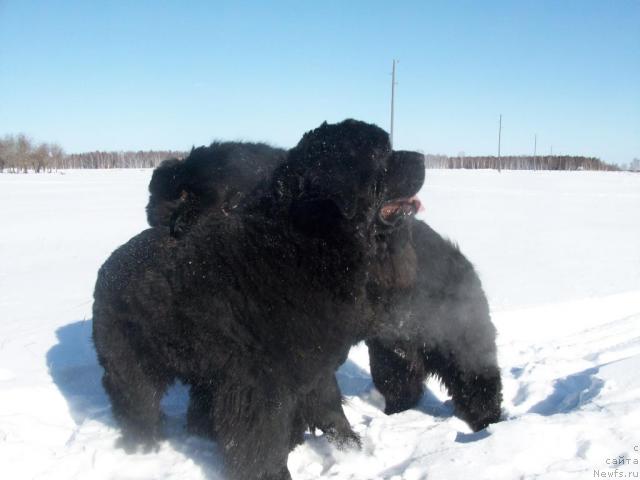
(18, 153)
(520, 162)
(127, 159)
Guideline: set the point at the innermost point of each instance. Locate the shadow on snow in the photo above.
(74, 368)
(570, 393)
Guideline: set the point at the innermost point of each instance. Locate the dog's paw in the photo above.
(344, 439)
(132, 444)
(482, 421)
(481, 412)
(282, 475)
(479, 419)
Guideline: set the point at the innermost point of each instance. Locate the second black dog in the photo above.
(432, 319)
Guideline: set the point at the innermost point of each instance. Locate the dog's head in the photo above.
(211, 179)
(339, 177)
(219, 174)
(404, 178)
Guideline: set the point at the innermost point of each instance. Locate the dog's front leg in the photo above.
(397, 370)
(323, 410)
(253, 421)
(476, 389)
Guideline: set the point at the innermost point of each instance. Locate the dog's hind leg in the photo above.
(253, 420)
(135, 392)
(199, 413)
(398, 373)
(476, 389)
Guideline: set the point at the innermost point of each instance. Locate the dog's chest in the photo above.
(394, 270)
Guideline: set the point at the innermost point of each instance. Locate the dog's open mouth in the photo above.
(395, 210)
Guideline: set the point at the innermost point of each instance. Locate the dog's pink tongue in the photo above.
(417, 204)
(409, 206)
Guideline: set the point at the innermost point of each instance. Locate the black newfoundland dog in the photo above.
(259, 307)
(431, 315)
(218, 179)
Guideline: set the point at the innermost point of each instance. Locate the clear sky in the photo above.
(172, 74)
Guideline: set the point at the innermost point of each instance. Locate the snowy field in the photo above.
(558, 254)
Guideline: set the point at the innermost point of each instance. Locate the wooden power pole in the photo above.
(393, 97)
(499, 140)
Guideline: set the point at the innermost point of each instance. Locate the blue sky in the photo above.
(172, 74)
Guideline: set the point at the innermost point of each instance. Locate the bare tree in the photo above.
(3, 154)
(23, 152)
(56, 156)
(18, 153)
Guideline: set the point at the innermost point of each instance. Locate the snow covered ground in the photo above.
(558, 253)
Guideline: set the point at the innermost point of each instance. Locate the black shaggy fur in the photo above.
(431, 318)
(181, 191)
(260, 308)
(216, 177)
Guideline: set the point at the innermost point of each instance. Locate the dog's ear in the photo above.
(166, 180)
(405, 174)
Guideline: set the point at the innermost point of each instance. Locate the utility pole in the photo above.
(535, 147)
(499, 140)
(393, 96)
